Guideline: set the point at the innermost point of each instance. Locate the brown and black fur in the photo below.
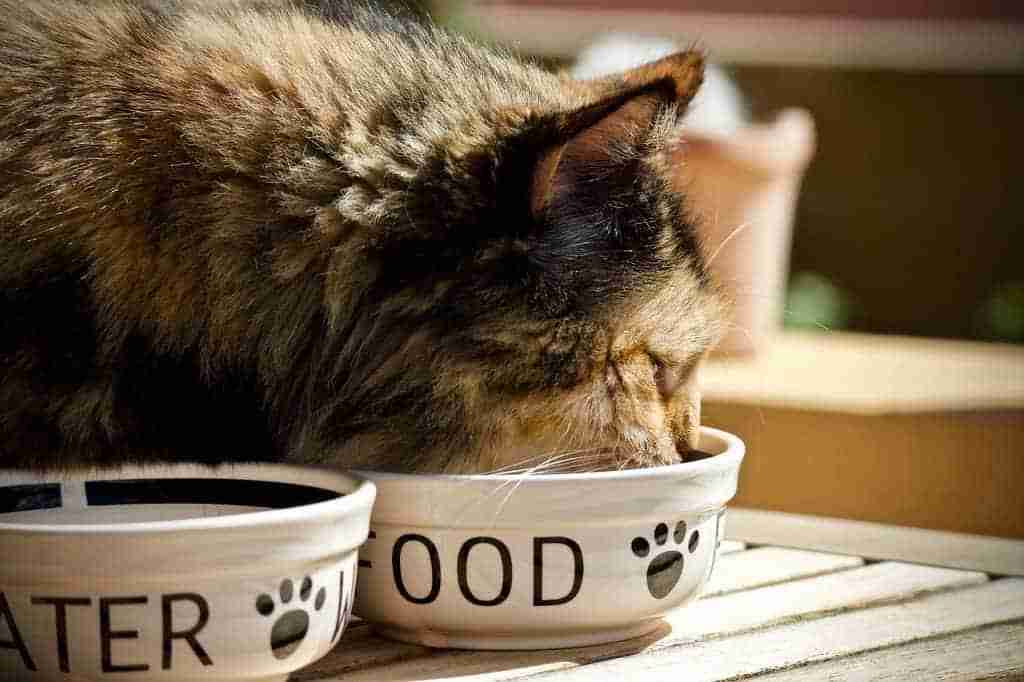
(264, 232)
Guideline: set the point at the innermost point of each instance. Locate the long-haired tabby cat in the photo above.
(265, 232)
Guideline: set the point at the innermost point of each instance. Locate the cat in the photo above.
(270, 232)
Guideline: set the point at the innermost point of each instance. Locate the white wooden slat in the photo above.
(712, 617)
(731, 547)
(811, 641)
(991, 652)
(853, 589)
(770, 565)
(1000, 556)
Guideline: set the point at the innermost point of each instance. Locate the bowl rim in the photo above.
(729, 458)
(363, 492)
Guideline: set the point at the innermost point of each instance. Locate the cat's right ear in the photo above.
(622, 105)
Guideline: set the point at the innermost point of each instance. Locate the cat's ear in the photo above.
(624, 104)
(676, 77)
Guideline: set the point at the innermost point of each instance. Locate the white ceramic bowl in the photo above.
(513, 562)
(176, 573)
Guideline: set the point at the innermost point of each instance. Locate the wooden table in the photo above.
(771, 613)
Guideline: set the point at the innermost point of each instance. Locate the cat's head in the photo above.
(561, 323)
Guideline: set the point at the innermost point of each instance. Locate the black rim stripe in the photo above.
(19, 498)
(266, 494)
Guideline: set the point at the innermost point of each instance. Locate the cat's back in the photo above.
(345, 75)
(118, 111)
(172, 175)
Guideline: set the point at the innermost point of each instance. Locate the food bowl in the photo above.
(537, 562)
(176, 573)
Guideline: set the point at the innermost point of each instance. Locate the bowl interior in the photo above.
(160, 494)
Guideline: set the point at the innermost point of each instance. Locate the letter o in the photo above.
(506, 570)
(435, 568)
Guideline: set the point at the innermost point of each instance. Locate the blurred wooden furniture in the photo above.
(912, 432)
(744, 186)
(768, 613)
(940, 35)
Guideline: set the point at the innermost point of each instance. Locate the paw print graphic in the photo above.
(290, 627)
(665, 569)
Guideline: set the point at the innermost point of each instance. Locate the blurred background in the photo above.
(909, 219)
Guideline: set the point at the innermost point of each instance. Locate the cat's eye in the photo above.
(666, 377)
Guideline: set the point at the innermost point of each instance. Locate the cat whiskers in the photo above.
(571, 461)
(517, 482)
(551, 460)
(721, 245)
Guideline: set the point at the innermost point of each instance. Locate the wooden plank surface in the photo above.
(878, 541)
(810, 641)
(854, 589)
(359, 649)
(987, 653)
(770, 565)
(730, 546)
(738, 611)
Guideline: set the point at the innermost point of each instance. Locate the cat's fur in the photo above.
(269, 233)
